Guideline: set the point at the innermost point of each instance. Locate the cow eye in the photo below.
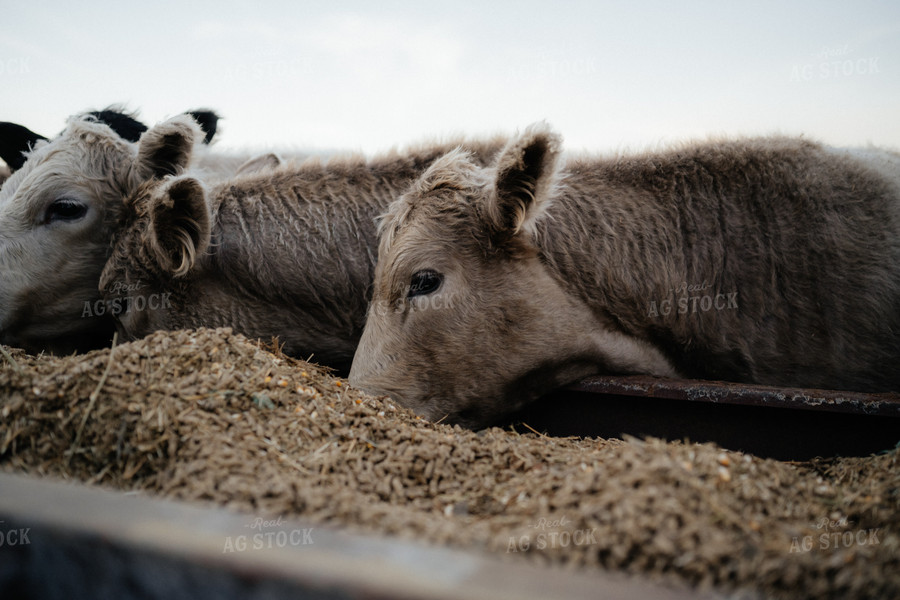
(424, 282)
(65, 209)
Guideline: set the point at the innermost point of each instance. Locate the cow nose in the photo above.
(357, 371)
(354, 377)
(366, 363)
(366, 378)
(360, 377)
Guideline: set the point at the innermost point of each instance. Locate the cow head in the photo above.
(57, 216)
(466, 323)
(166, 228)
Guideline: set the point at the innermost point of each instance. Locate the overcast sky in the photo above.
(369, 76)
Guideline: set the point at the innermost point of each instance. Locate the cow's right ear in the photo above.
(179, 229)
(167, 148)
(208, 120)
(526, 175)
(15, 141)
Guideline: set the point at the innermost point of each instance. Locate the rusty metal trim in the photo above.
(720, 392)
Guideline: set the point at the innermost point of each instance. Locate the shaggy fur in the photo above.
(287, 252)
(555, 272)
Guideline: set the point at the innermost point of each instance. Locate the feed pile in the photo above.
(208, 416)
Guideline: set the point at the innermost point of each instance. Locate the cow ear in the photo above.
(167, 148)
(15, 141)
(179, 229)
(123, 123)
(208, 121)
(526, 175)
(269, 160)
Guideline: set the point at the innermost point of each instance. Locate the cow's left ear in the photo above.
(179, 229)
(123, 123)
(15, 141)
(526, 175)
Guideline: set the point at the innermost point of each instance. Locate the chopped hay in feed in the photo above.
(208, 416)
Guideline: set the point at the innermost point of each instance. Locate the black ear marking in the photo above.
(126, 127)
(208, 121)
(15, 140)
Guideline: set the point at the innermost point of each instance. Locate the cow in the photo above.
(288, 252)
(768, 260)
(56, 218)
